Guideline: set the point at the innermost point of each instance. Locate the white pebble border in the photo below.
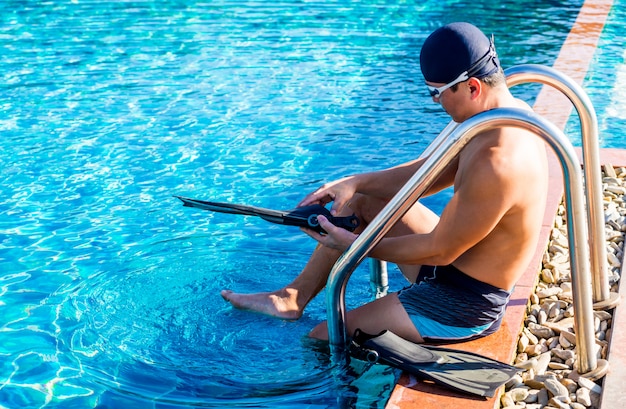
(546, 349)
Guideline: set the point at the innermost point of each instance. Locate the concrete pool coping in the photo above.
(574, 59)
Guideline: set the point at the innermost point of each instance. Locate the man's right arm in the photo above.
(386, 183)
(383, 184)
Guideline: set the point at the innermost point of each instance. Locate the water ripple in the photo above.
(163, 328)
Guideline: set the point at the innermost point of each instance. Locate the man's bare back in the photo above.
(510, 155)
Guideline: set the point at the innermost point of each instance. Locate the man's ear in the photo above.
(475, 87)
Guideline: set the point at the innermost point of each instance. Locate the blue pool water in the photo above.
(606, 83)
(109, 288)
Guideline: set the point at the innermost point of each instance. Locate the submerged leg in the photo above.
(289, 301)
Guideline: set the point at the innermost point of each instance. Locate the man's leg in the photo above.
(386, 313)
(290, 301)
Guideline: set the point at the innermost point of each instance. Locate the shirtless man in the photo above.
(464, 263)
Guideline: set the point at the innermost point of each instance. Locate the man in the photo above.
(464, 263)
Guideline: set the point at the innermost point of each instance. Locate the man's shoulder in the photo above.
(507, 149)
(520, 103)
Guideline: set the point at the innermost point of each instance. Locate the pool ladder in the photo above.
(586, 240)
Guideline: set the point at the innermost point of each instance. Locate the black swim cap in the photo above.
(455, 48)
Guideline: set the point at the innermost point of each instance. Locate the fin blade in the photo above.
(469, 372)
(230, 208)
(456, 369)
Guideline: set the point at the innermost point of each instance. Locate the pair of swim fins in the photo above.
(305, 216)
(459, 370)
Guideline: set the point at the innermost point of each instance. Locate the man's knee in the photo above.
(320, 332)
(366, 207)
(419, 219)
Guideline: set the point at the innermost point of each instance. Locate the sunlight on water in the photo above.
(604, 84)
(617, 105)
(109, 288)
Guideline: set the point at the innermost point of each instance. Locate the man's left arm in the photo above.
(474, 211)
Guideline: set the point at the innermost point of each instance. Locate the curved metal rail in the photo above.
(441, 156)
(602, 296)
(520, 74)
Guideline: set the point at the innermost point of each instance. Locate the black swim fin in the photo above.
(305, 216)
(462, 371)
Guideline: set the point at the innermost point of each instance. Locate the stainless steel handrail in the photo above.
(591, 160)
(441, 156)
(379, 279)
(602, 296)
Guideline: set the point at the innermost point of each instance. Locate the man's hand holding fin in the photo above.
(335, 238)
(339, 192)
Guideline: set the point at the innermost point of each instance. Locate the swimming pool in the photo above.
(109, 288)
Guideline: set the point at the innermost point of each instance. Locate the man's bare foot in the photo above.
(280, 304)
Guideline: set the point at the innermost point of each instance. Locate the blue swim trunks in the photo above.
(446, 305)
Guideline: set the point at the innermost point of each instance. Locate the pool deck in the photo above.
(573, 60)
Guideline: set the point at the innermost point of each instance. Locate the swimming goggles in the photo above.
(436, 92)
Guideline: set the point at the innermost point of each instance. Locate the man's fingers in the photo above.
(335, 237)
(337, 206)
(326, 225)
(314, 198)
